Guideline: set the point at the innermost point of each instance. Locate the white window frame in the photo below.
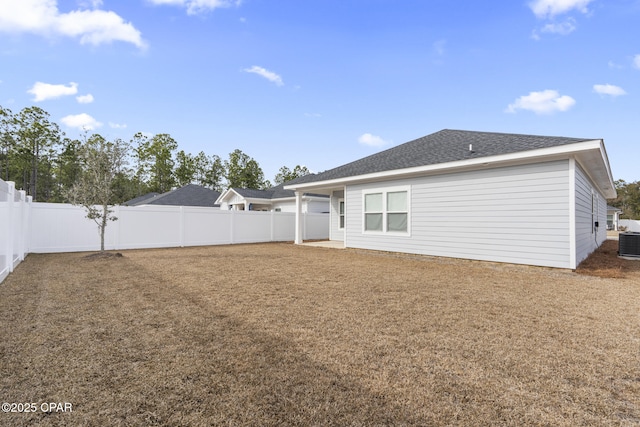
(342, 216)
(384, 191)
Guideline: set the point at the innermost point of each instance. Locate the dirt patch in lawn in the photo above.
(102, 255)
(275, 334)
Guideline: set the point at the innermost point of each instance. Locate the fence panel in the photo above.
(316, 226)
(630, 224)
(57, 227)
(206, 226)
(14, 227)
(163, 226)
(5, 230)
(145, 227)
(251, 226)
(284, 224)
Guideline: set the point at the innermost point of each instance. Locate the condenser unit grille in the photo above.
(629, 244)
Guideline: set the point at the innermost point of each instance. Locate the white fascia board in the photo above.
(605, 158)
(499, 160)
(258, 200)
(226, 194)
(284, 199)
(304, 197)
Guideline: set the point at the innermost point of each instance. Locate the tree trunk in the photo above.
(103, 227)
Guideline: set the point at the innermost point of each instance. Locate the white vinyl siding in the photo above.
(591, 206)
(516, 214)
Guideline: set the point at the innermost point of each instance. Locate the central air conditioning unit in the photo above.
(629, 244)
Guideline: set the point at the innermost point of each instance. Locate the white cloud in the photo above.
(563, 28)
(43, 17)
(117, 125)
(85, 99)
(372, 140)
(81, 121)
(551, 8)
(544, 102)
(198, 6)
(269, 75)
(43, 91)
(93, 4)
(636, 62)
(609, 90)
(615, 66)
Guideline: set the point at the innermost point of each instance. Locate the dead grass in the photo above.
(604, 262)
(274, 334)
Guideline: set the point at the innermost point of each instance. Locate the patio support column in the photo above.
(298, 231)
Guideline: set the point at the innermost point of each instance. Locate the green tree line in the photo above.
(40, 159)
(628, 199)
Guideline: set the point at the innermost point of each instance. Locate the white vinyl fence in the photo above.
(14, 227)
(57, 227)
(630, 224)
(27, 227)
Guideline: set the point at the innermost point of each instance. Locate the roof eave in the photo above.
(550, 153)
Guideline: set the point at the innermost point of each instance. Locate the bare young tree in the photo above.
(101, 162)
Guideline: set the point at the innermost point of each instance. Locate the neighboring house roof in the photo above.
(465, 148)
(613, 208)
(189, 195)
(273, 193)
(140, 199)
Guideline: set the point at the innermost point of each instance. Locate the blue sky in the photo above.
(324, 82)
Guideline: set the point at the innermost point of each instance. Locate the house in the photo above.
(188, 195)
(523, 199)
(274, 199)
(613, 217)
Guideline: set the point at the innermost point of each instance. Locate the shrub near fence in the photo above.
(14, 227)
(58, 227)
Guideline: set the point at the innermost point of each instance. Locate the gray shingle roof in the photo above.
(140, 199)
(442, 147)
(189, 195)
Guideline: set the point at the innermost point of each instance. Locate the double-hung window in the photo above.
(386, 211)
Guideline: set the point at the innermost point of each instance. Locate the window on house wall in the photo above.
(387, 211)
(397, 212)
(341, 212)
(373, 212)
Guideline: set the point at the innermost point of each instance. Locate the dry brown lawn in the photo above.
(275, 334)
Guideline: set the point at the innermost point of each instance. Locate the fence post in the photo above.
(20, 249)
(27, 225)
(10, 229)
